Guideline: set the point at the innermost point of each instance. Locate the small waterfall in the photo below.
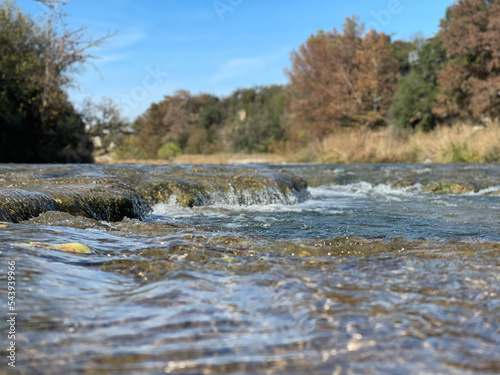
(269, 194)
(235, 186)
(18, 204)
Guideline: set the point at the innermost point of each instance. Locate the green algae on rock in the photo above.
(98, 202)
(450, 188)
(207, 185)
(19, 204)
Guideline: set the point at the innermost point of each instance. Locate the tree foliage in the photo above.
(375, 78)
(249, 120)
(471, 78)
(171, 120)
(105, 124)
(400, 52)
(321, 87)
(37, 121)
(341, 79)
(415, 98)
(348, 78)
(254, 119)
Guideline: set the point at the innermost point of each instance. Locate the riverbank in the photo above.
(462, 143)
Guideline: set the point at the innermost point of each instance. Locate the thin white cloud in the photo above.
(125, 39)
(238, 67)
(104, 59)
(116, 47)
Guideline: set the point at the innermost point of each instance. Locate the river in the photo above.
(376, 271)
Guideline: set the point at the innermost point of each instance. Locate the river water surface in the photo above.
(372, 274)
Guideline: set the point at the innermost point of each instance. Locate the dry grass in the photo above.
(206, 159)
(358, 146)
(229, 159)
(461, 143)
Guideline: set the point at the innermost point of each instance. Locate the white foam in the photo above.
(485, 191)
(171, 209)
(422, 170)
(361, 189)
(331, 198)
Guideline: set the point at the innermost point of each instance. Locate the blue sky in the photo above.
(214, 46)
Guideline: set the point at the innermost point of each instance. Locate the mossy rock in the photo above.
(96, 202)
(18, 204)
(186, 194)
(202, 185)
(107, 203)
(450, 188)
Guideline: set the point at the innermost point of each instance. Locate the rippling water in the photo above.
(371, 275)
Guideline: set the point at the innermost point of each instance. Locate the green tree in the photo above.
(171, 120)
(255, 120)
(415, 98)
(37, 121)
(168, 151)
(248, 120)
(400, 51)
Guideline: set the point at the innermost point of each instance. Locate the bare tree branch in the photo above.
(66, 51)
(52, 4)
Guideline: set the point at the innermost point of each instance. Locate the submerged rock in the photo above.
(64, 219)
(69, 247)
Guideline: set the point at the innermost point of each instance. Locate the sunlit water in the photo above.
(369, 276)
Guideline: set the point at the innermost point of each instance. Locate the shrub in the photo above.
(128, 149)
(460, 153)
(492, 155)
(168, 151)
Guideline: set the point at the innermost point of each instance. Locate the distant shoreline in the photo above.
(461, 143)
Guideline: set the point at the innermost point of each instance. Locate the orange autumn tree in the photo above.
(322, 65)
(341, 79)
(376, 78)
(471, 79)
(312, 100)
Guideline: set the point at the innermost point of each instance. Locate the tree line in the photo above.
(344, 79)
(249, 120)
(38, 123)
(339, 79)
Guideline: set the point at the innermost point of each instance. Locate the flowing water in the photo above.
(372, 274)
